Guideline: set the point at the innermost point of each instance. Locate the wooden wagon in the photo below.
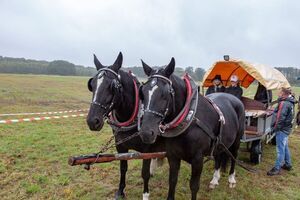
(258, 115)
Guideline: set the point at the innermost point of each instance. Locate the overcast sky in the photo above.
(196, 33)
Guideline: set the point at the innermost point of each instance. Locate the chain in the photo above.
(108, 146)
(124, 140)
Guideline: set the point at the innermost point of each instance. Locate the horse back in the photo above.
(234, 114)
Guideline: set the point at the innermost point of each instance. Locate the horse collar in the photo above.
(183, 120)
(130, 122)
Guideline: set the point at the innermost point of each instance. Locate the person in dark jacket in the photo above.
(234, 88)
(217, 87)
(262, 94)
(282, 125)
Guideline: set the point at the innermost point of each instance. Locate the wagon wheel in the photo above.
(256, 152)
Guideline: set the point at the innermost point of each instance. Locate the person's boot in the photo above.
(287, 167)
(273, 172)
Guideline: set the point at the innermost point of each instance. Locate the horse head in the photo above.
(157, 97)
(106, 88)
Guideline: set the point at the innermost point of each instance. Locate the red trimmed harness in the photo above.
(176, 121)
(135, 111)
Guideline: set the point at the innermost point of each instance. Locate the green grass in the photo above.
(33, 155)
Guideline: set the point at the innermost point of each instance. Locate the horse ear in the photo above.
(170, 68)
(118, 63)
(147, 69)
(97, 63)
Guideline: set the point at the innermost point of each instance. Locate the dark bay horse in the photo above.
(164, 96)
(116, 91)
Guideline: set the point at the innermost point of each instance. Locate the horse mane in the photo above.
(126, 77)
(128, 96)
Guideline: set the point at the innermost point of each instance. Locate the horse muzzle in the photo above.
(95, 123)
(148, 137)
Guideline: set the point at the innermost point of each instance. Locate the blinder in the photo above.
(116, 86)
(89, 84)
(141, 92)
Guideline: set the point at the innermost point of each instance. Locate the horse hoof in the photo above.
(232, 185)
(212, 186)
(146, 196)
(119, 196)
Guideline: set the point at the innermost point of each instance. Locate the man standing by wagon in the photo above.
(282, 126)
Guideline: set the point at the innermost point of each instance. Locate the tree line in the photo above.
(292, 74)
(65, 68)
(29, 66)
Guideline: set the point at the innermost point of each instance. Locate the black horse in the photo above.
(116, 91)
(164, 96)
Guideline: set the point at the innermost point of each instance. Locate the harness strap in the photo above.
(155, 113)
(110, 70)
(183, 113)
(107, 108)
(132, 118)
(214, 139)
(218, 110)
(162, 77)
(129, 123)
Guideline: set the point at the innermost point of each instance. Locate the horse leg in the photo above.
(123, 169)
(197, 165)
(231, 178)
(146, 177)
(216, 177)
(174, 164)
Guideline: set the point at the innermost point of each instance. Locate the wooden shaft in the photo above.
(102, 158)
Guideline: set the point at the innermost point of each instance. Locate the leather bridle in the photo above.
(116, 83)
(171, 92)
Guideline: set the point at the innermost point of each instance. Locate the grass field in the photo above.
(33, 155)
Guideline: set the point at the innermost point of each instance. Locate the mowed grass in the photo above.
(33, 155)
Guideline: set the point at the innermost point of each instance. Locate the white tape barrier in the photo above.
(44, 113)
(10, 121)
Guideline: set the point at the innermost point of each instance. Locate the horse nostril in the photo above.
(152, 133)
(97, 121)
